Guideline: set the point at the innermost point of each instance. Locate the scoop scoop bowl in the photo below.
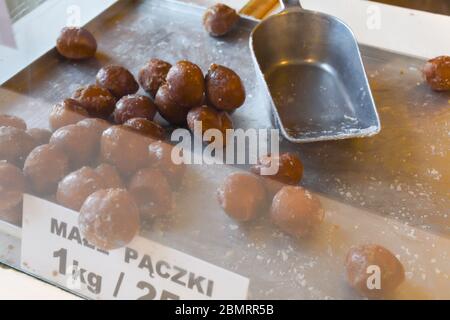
(311, 66)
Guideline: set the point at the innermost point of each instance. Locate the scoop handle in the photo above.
(285, 4)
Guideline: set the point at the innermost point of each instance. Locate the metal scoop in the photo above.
(312, 67)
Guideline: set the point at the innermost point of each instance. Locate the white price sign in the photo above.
(53, 248)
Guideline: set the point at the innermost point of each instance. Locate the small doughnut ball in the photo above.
(15, 145)
(220, 19)
(153, 75)
(77, 142)
(125, 149)
(76, 43)
(224, 88)
(242, 196)
(95, 125)
(290, 171)
(44, 167)
(296, 211)
(168, 109)
(110, 175)
(160, 154)
(7, 120)
(40, 136)
(357, 264)
(151, 191)
(134, 106)
(186, 84)
(118, 80)
(97, 101)
(12, 186)
(437, 73)
(210, 118)
(109, 219)
(146, 127)
(77, 186)
(67, 112)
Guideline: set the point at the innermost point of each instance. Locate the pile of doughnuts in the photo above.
(105, 137)
(16, 142)
(183, 95)
(88, 163)
(103, 141)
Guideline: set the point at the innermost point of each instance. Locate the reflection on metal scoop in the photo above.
(312, 67)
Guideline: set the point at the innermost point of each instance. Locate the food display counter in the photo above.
(391, 190)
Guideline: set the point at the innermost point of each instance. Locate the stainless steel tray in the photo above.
(382, 183)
